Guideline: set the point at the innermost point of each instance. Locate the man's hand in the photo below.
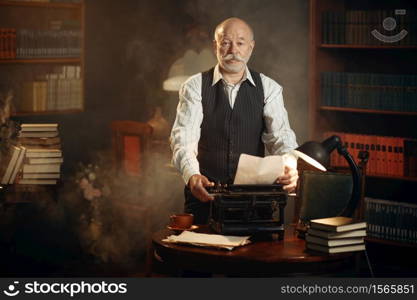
(197, 184)
(289, 179)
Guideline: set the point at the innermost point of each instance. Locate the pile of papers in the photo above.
(208, 240)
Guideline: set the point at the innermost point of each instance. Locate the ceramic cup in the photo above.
(181, 221)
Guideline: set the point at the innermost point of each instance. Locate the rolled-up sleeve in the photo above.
(278, 136)
(185, 133)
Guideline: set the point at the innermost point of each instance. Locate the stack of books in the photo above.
(336, 235)
(43, 155)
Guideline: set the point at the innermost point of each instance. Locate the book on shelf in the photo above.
(9, 163)
(39, 127)
(43, 147)
(45, 168)
(7, 43)
(18, 165)
(333, 242)
(42, 153)
(60, 89)
(391, 220)
(48, 43)
(45, 142)
(67, 24)
(385, 92)
(336, 235)
(410, 158)
(338, 249)
(337, 224)
(46, 160)
(38, 134)
(364, 27)
(393, 156)
(37, 181)
(34, 96)
(41, 175)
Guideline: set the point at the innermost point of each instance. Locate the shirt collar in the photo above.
(217, 75)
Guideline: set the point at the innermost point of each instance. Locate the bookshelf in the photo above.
(364, 86)
(42, 55)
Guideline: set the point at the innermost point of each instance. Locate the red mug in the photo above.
(181, 221)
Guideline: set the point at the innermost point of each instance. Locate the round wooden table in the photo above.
(265, 258)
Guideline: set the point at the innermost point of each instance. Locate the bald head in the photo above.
(233, 44)
(233, 23)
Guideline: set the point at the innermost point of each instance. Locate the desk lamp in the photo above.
(320, 153)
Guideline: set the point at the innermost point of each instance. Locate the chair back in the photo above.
(323, 195)
(130, 142)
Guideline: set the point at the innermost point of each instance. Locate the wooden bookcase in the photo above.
(43, 55)
(376, 58)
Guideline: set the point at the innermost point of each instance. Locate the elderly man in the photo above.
(224, 112)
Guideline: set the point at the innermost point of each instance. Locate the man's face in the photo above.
(233, 46)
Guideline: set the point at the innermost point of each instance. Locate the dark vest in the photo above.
(225, 132)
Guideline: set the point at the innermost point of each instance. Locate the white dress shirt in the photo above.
(278, 136)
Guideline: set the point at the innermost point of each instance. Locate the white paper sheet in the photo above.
(259, 170)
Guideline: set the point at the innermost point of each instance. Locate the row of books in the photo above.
(391, 220)
(7, 43)
(37, 157)
(369, 91)
(336, 235)
(47, 43)
(387, 155)
(368, 27)
(59, 90)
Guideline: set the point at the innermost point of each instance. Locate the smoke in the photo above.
(116, 227)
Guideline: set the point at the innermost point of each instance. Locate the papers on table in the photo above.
(208, 240)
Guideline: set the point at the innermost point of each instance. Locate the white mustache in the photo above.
(234, 57)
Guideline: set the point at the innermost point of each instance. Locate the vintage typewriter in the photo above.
(248, 209)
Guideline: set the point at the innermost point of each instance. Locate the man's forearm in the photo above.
(186, 163)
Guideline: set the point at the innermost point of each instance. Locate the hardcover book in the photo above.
(41, 175)
(37, 181)
(47, 168)
(340, 249)
(10, 161)
(43, 153)
(334, 242)
(38, 134)
(39, 127)
(47, 160)
(337, 235)
(40, 141)
(337, 224)
(18, 165)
